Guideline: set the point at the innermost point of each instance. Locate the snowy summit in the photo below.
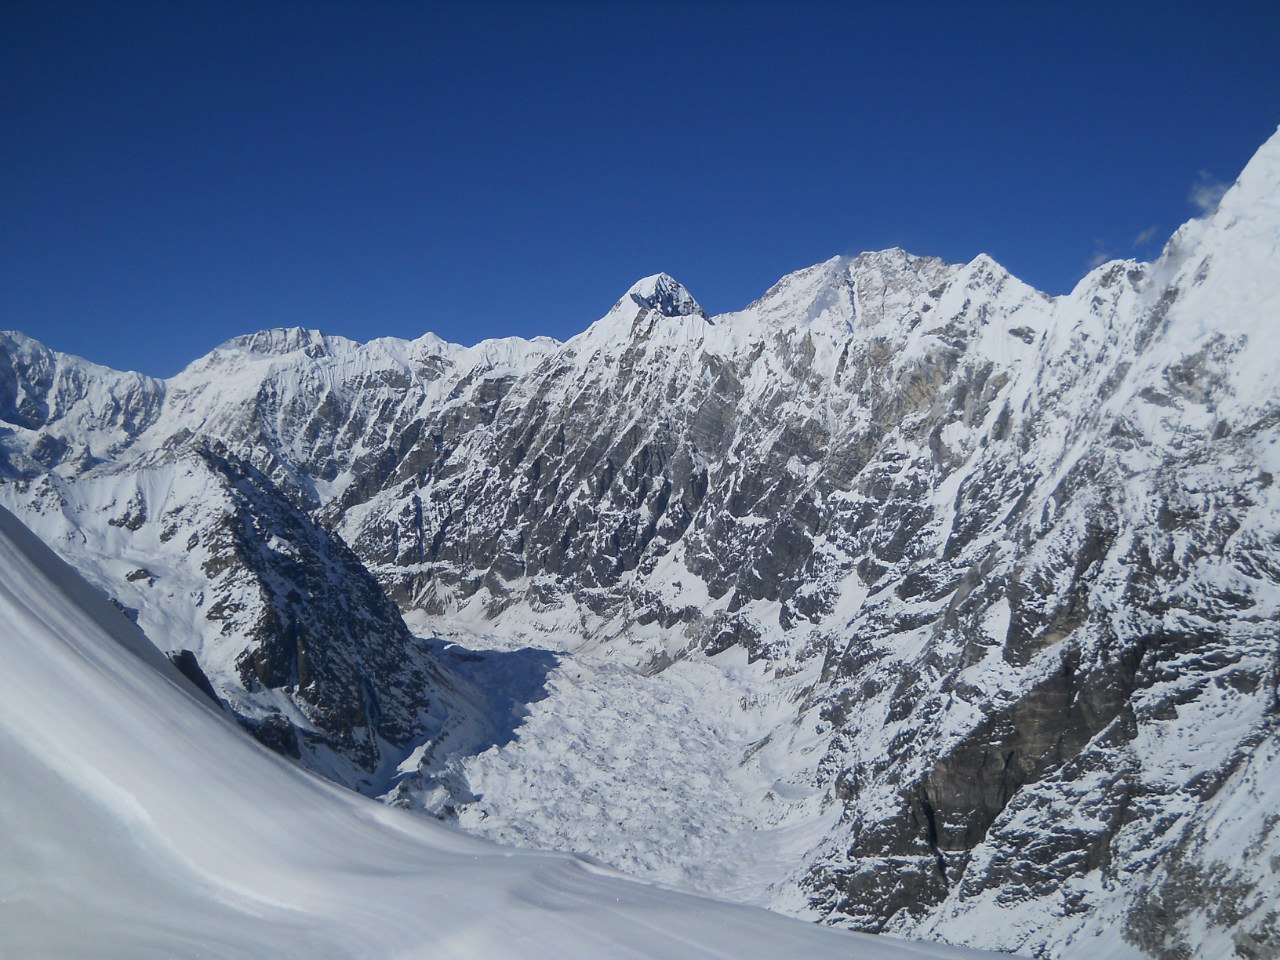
(664, 294)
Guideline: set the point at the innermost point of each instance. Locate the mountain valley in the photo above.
(907, 599)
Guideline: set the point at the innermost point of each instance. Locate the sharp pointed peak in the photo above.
(665, 294)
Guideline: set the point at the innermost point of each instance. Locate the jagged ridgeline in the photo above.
(1027, 547)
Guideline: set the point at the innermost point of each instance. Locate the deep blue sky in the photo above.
(172, 174)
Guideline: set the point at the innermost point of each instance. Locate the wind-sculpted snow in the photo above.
(1012, 562)
(135, 822)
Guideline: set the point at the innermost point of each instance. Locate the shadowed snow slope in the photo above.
(136, 822)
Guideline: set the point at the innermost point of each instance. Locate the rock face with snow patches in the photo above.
(270, 612)
(1023, 552)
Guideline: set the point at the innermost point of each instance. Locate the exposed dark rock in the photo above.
(190, 668)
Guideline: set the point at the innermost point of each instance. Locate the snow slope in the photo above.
(136, 822)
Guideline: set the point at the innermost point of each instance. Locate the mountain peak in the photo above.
(665, 294)
(1254, 194)
(279, 340)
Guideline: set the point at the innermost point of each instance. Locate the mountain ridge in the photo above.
(1012, 546)
(284, 340)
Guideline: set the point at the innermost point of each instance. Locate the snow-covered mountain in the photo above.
(941, 606)
(136, 822)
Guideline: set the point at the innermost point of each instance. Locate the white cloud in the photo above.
(1146, 236)
(1100, 255)
(1206, 192)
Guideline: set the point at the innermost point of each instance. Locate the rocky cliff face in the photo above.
(1027, 547)
(266, 610)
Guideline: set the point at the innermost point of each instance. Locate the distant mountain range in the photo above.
(976, 591)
